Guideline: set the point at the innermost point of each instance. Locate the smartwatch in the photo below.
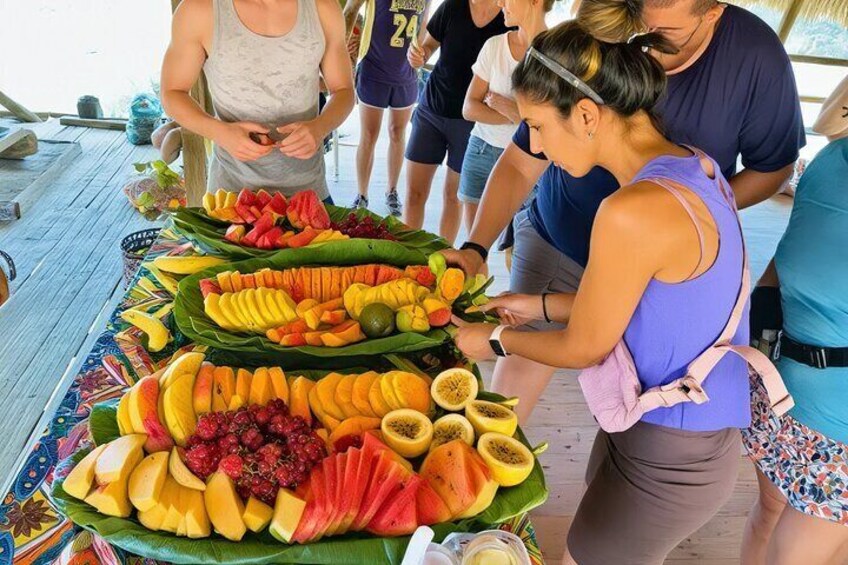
(495, 342)
(482, 251)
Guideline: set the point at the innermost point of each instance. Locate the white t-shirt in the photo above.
(495, 65)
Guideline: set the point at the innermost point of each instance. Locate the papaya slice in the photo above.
(235, 281)
(299, 389)
(410, 390)
(326, 390)
(359, 394)
(224, 281)
(375, 398)
(314, 338)
(343, 396)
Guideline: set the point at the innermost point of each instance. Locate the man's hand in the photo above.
(235, 139)
(417, 56)
(503, 106)
(303, 139)
(466, 259)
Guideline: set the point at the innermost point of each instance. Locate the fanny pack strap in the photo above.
(689, 388)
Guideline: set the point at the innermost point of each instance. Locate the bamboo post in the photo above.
(788, 20)
(194, 148)
(17, 110)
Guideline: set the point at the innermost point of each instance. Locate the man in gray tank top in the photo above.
(263, 60)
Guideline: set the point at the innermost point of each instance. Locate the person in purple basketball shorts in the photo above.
(459, 28)
(384, 80)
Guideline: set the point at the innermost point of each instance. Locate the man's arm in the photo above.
(305, 138)
(752, 187)
(180, 69)
(513, 178)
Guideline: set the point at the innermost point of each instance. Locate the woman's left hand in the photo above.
(473, 339)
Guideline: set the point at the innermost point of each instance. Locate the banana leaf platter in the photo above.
(209, 232)
(261, 549)
(235, 348)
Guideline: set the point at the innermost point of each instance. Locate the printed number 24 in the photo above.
(405, 26)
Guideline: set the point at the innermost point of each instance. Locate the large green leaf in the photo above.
(209, 233)
(256, 549)
(233, 347)
(103, 422)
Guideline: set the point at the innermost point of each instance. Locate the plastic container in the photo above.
(490, 547)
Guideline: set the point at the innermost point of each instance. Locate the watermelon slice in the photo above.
(246, 197)
(307, 520)
(354, 488)
(331, 487)
(252, 237)
(208, 286)
(398, 516)
(269, 238)
(431, 509)
(265, 222)
(277, 205)
(373, 446)
(305, 209)
(243, 210)
(314, 522)
(386, 479)
(263, 198)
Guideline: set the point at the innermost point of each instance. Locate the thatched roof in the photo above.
(833, 10)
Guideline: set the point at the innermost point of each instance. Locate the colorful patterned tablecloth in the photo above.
(32, 531)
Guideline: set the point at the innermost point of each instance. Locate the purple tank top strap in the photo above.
(676, 192)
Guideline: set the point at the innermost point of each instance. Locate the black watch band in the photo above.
(482, 251)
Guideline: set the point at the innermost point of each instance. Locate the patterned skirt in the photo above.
(810, 469)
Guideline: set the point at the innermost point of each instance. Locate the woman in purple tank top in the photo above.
(657, 279)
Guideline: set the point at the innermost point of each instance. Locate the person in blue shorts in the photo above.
(385, 80)
(459, 28)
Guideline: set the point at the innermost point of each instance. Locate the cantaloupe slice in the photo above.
(79, 481)
(257, 515)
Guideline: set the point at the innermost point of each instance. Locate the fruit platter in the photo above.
(322, 316)
(249, 224)
(201, 463)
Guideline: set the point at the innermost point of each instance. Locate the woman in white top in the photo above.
(489, 101)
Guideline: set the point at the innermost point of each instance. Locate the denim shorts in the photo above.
(480, 159)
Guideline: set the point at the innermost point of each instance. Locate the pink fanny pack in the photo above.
(612, 388)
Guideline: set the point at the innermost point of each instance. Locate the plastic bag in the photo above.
(156, 190)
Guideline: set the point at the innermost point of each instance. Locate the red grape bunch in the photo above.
(261, 448)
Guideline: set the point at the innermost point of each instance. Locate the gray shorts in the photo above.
(537, 267)
(649, 488)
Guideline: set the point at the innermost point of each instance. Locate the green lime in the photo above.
(377, 320)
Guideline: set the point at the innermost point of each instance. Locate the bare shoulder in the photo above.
(194, 17)
(640, 211)
(329, 11)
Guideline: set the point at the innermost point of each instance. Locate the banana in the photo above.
(220, 198)
(209, 203)
(158, 335)
(186, 265)
(266, 297)
(230, 311)
(212, 307)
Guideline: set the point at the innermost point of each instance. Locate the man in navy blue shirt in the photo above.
(731, 92)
